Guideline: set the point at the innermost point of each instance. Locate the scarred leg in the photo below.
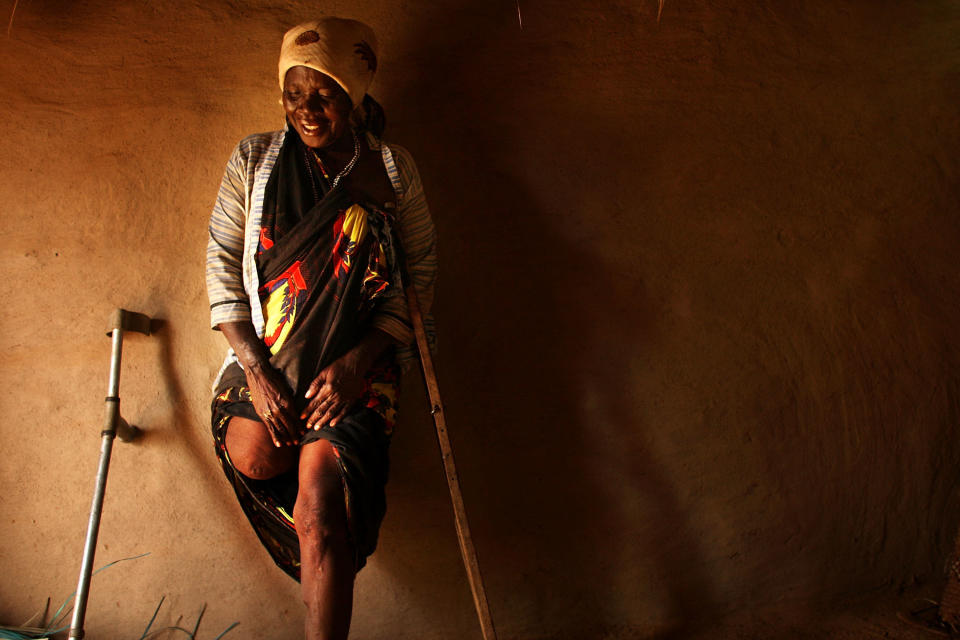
(326, 557)
(252, 451)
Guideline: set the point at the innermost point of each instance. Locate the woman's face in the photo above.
(316, 106)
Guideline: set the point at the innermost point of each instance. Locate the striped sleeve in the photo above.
(419, 241)
(228, 299)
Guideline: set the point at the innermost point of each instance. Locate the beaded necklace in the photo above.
(331, 184)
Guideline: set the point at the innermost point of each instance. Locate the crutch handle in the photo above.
(128, 321)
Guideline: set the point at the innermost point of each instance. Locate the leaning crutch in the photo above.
(113, 426)
(467, 551)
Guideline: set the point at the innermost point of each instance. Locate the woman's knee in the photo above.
(258, 467)
(321, 528)
(318, 520)
(253, 454)
(320, 510)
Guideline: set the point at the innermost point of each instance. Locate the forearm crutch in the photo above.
(113, 426)
(467, 549)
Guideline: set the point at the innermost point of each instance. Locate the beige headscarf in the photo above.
(345, 50)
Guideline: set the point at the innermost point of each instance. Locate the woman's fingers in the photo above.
(325, 396)
(273, 402)
(275, 413)
(321, 414)
(284, 426)
(274, 430)
(331, 394)
(331, 411)
(320, 390)
(315, 386)
(278, 432)
(339, 416)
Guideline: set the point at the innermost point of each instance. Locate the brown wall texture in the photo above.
(698, 306)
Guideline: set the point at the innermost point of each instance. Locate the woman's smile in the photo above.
(316, 106)
(310, 129)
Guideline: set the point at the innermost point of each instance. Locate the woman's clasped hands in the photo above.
(329, 396)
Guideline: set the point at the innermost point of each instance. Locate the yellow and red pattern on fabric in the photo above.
(381, 393)
(280, 308)
(265, 241)
(375, 281)
(349, 230)
(347, 503)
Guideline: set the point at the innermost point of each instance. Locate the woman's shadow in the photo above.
(572, 514)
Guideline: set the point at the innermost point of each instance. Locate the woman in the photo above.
(303, 275)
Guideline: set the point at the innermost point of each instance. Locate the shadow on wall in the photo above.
(573, 482)
(537, 335)
(586, 520)
(175, 422)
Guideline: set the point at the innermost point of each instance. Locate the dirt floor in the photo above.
(904, 616)
(860, 618)
(907, 616)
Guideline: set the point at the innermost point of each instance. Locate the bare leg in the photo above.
(326, 557)
(253, 453)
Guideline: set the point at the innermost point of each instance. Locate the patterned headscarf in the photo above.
(345, 50)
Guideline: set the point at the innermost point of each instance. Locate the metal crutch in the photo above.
(113, 426)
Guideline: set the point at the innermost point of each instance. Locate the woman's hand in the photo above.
(333, 392)
(273, 402)
(343, 381)
(271, 395)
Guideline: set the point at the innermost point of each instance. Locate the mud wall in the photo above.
(698, 307)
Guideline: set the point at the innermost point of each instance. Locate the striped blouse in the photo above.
(232, 280)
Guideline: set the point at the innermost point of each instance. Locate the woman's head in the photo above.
(325, 69)
(316, 106)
